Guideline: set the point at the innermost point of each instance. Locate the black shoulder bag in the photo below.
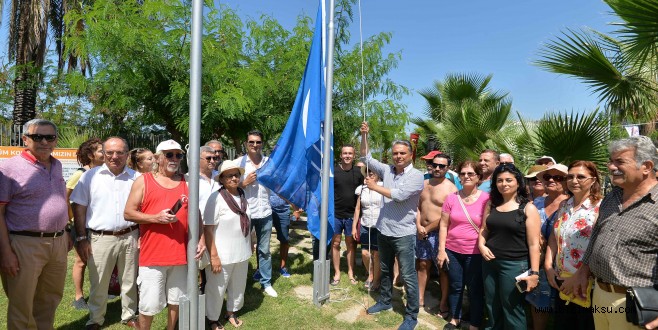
(642, 304)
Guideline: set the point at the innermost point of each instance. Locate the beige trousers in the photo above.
(106, 252)
(36, 291)
(609, 310)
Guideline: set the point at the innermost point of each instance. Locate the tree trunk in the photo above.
(25, 99)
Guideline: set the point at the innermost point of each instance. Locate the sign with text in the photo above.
(64, 155)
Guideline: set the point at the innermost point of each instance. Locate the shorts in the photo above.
(343, 224)
(155, 281)
(543, 295)
(368, 243)
(281, 222)
(428, 249)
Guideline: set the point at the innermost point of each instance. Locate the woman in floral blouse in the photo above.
(571, 234)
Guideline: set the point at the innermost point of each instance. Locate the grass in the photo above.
(263, 312)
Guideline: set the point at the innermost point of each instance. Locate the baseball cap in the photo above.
(168, 145)
(431, 155)
(546, 158)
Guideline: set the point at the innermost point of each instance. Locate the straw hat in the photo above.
(534, 169)
(229, 165)
(558, 167)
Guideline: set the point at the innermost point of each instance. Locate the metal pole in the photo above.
(323, 293)
(194, 140)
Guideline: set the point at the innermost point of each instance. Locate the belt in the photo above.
(114, 233)
(36, 234)
(612, 288)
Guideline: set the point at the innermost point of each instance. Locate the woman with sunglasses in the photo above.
(553, 179)
(535, 187)
(226, 220)
(571, 234)
(509, 244)
(461, 218)
(366, 212)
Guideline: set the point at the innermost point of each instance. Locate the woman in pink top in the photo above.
(458, 252)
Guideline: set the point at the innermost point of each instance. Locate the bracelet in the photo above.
(80, 238)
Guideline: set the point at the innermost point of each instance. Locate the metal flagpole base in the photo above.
(320, 282)
(185, 313)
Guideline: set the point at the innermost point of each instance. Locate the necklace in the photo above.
(467, 199)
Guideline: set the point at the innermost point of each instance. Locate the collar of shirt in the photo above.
(406, 169)
(126, 170)
(30, 157)
(585, 205)
(652, 195)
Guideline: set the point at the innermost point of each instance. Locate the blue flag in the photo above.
(294, 168)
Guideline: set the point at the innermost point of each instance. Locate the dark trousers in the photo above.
(504, 303)
(466, 270)
(405, 249)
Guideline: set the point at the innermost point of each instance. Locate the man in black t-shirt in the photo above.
(347, 178)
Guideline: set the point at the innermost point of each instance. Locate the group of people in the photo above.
(546, 241)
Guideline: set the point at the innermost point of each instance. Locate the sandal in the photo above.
(215, 323)
(353, 281)
(443, 314)
(235, 322)
(334, 282)
(367, 284)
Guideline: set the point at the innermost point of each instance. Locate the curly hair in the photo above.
(86, 149)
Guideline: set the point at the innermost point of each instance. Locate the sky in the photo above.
(437, 37)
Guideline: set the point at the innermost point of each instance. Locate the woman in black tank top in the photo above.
(509, 243)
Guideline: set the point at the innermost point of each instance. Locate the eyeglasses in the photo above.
(217, 151)
(556, 178)
(579, 177)
(467, 174)
(440, 166)
(40, 137)
(231, 175)
(171, 155)
(112, 153)
(209, 158)
(255, 142)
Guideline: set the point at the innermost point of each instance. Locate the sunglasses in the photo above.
(231, 176)
(467, 174)
(255, 142)
(40, 137)
(441, 166)
(209, 158)
(556, 178)
(171, 155)
(579, 177)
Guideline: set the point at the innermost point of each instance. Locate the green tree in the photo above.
(466, 116)
(619, 68)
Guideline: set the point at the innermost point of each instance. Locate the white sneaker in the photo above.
(271, 292)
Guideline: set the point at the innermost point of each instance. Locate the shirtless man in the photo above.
(427, 222)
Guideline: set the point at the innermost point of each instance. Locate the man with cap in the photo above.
(158, 202)
(99, 200)
(450, 174)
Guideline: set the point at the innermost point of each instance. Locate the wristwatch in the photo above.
(532, 272)
(80, 238)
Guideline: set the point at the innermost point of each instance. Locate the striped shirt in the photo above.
(397, 217)
(624, 242)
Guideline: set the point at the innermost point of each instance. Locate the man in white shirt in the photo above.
(206, 167)
(258, 198)
(99, 200)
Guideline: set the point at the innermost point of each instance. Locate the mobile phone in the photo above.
(174, 209)
(522, 286)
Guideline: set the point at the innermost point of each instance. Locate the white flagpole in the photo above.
(321, 266)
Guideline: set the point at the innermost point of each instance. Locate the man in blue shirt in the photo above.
(396, 223)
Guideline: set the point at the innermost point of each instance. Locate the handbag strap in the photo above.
(468, 216)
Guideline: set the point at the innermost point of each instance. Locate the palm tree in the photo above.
(467, 116)
(568, 137)
(29, 21)
(621, 71)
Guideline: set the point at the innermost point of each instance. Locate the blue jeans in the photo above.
(281, 218)
(465, 270)
(263, 228)
(504, 302)
(405, 248)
